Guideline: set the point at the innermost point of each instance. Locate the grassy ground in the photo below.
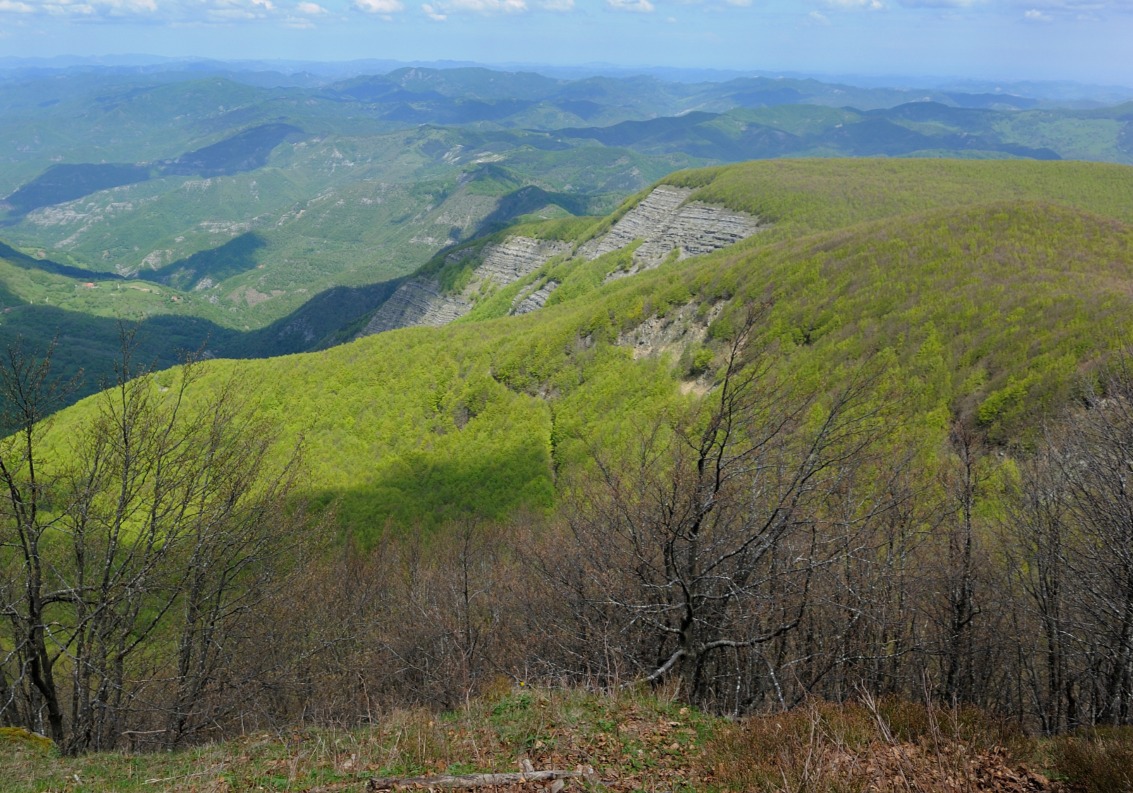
(632, 742)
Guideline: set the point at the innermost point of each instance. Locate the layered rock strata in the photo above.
(419, 301)
(664, 221)
(533, 301)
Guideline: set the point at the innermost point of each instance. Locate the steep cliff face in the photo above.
(420, 301)
(642, 222)
(533, 300)
(664, 221)
(513, 259)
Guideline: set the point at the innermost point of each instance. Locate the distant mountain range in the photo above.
(272, 211)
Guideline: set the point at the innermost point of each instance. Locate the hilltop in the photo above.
(772, 432)
(987, 287)
(257, 215)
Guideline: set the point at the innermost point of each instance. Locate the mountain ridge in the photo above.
(417, 426)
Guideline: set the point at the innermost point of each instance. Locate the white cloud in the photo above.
(941, 3)
(1051, 7)
(239, 10)
(638, 6)
(442, 10)
(70, 8)
(557, 5)
(10, 7)
(1090, 7)
(856, 5)
(818, 18)
(129, 6)
(382, 7)
(1081, 10)
(311, 9)
(487, 6)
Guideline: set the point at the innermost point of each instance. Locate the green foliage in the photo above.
(986, 313)
(252, 202)
(18, 736)
(701, 360)
(802, 196)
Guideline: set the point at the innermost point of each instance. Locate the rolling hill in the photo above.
(772, 432)
(983, 289)
(232, 210)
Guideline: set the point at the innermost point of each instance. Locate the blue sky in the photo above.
(1079, 40)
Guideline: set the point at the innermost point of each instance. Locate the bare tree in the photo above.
(703, 547)
(130, 549)
(963, 480)
(1072, 532)
(1037, 521)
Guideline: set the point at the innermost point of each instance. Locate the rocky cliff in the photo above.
(664, 221)
(533, 300)
(420, 301)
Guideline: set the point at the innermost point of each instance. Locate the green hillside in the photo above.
(229, 209)
(875, 452)
(984, 291)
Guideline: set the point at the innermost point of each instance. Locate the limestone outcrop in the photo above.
(420, 301)
(513, 259)
(643, 222)
(535, 300)
(664, 221)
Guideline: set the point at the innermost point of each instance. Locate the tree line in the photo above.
(161, 582)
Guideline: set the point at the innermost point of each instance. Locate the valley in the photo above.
(226, 206)
(608, 423)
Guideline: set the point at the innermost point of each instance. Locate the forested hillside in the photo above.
(258, 214)
(873, 450)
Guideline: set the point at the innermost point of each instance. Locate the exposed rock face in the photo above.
(643, 222)
(420, 301)
(694, 229)
(513, 259)
(533, 301)
(416, 302)
(664, 221)
(677, 329)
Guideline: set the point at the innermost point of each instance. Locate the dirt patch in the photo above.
(672, 333)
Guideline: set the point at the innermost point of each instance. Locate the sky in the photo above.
(1087, 41)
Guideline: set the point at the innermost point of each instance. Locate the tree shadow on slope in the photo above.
(86, 347)
(236, 256)
(423, 491)
(25, 262)
(331, 317)
(246, 150)
(526, 200)
(68, 182)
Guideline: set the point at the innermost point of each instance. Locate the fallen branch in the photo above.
(476, 780)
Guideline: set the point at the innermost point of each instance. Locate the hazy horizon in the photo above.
(990, 40)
